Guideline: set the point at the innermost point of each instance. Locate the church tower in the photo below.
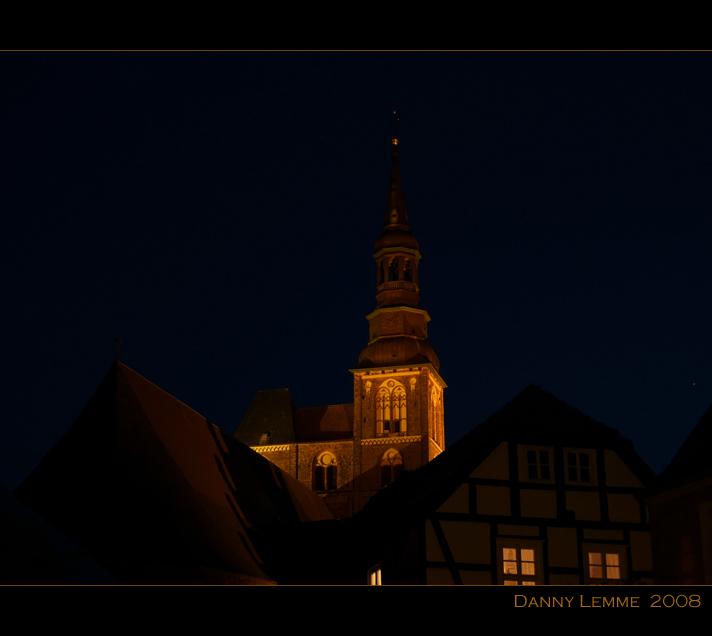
(398, 391)
(348, 452)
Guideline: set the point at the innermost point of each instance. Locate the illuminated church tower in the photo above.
(348, 452)
(398, 391)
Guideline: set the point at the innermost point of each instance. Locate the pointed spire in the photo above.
(396, 227)
(396, 214)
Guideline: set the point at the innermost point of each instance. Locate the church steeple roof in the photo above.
(396, 213)
(398, 333)
(396, 227)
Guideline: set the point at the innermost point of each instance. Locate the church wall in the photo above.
(372, 452)
(340, 502)
(414, 444)
(283, 456)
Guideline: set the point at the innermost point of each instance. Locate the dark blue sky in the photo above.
(217, 211)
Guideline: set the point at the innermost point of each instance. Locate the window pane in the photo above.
(331, 477)
(585, 474)
(527, 555)
(531, 457)
(385, 474)
(544, 457)
(528, 583)
(612, 559)
(572, 459)
(545, 472)
(509, 554)
(511, 583)
(319, 478)
(510, 567)
(572, 473)
(595, 572)
(613, 573)
(583, 458)
(532, 471)
(528, 568)
(594, 558)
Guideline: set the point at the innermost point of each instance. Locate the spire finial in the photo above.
(394, 123)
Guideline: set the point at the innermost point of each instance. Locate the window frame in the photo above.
(518, 544)
(522, 456)
(393, 464)
(593, 473)
(604, 549)
(374, 576)
(325, 474)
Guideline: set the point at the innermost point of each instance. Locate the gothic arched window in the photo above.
(391, 410)
(325, 472)
(391, 465)
(393, 269)
(436, 415)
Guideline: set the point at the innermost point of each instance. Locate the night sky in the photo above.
(217, 211)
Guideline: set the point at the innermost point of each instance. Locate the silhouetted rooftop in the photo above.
(159, 494)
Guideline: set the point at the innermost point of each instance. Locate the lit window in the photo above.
(538, 466)
(519, 568)
(374, 575)
(604, 566)
(399, 410)
(325, 472)
(391, 409)
(579, 467)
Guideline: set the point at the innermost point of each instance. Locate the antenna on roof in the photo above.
(118, 345)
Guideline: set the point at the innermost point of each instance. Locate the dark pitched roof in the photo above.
(325, 423)
(532, 417)
(694, 459)
(269, 419)
(157, 493)
(272, 420)
(33, 552)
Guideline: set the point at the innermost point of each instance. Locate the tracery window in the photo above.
(325, 472)
(391, 465)
(391, 409)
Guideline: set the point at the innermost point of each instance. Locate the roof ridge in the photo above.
(155, 386)
(319, 406)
